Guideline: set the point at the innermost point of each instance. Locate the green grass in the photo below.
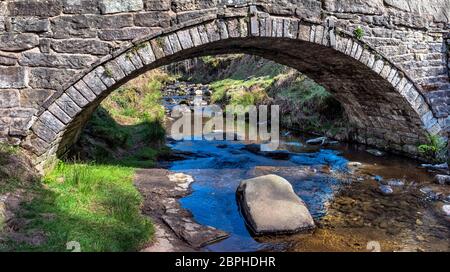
(308, 106)
(359, 33)
(240, 92)
(94, 205)
(129, 122)
(435, 150)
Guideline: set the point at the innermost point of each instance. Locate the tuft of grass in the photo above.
(359, 33)
(94, 205)
(435, 150)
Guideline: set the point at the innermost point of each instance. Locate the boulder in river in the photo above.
(442, 179)
(317, 141)
(442, 166)
(271, 206)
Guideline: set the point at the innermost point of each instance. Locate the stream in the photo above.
(342, 184)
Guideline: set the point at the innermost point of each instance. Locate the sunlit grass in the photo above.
(94, 205)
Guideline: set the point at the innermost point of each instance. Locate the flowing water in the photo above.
(350, 211)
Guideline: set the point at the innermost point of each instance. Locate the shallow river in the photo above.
(350, 211)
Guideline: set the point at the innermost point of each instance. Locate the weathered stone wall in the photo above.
(46, 46)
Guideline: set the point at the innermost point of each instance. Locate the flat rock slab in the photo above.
(193, 233)
(271, 206)
(175, 228)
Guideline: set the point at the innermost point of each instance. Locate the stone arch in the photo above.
(382, 101)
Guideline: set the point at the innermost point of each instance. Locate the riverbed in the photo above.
(341, 185)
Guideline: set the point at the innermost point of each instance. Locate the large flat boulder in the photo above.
(271, 206)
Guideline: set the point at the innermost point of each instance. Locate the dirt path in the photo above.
(175, 228)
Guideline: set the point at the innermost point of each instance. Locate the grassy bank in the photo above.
(89, 198)
(96, 206)
(249, 80)
(128, 127)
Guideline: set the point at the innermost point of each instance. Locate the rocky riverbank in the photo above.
(175, 228)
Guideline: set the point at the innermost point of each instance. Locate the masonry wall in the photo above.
(44, 44)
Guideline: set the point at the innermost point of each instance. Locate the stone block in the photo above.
(80, 6)
(185, 39)
(43, 132)
(115, 21)
(8, 60)
(42, 8)
(9, 98)
(12, 77)
(95, 83)
(85, 90)
(174, 43)
(29, 24)
(33, 98)
(114, 70)
(14, 42)
(81, 46)
(56, 60)
(51, 121)
(146, 54)
(50, 78)
(104, 76)
(123, 34)
(125, 64)
(158, 5)
(152, 19)
(72, 26)
(59, 113)
(77, 97)
(115, 6)
(68, 105)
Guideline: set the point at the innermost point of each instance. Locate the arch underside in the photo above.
(376, 105)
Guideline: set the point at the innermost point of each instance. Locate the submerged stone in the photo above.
(271, 206)
(375, 152)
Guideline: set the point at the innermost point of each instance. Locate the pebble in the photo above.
(378, 178)
(446, 210)
(386, 189)
(395, 182)
(354, 164)
(447, 199)
(420, 238)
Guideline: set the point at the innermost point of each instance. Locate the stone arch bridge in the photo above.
(60, 58)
